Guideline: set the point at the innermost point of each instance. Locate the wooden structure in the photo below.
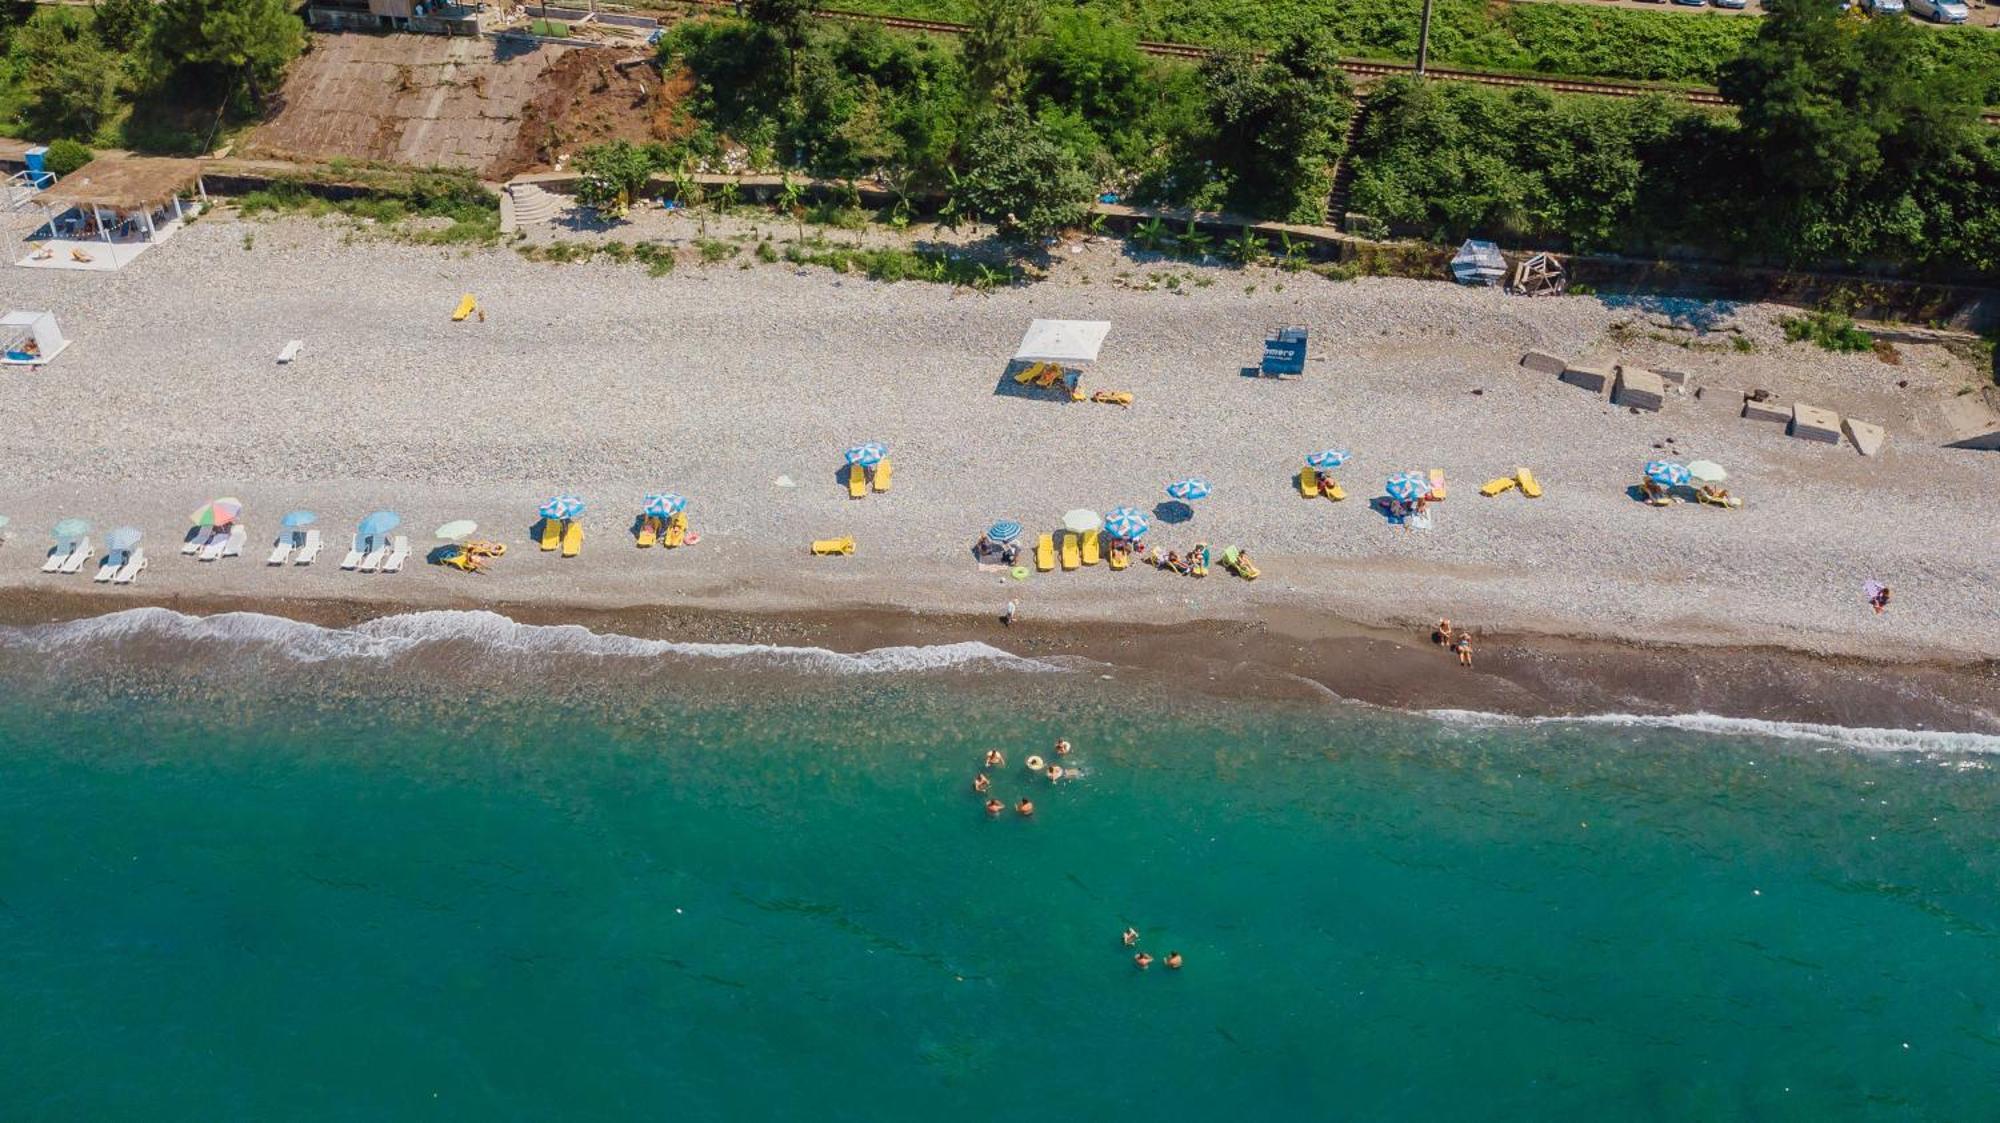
(121, 198)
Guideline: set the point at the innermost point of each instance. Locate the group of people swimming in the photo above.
(1459, 643)
(1053, 771)
(1143, 959)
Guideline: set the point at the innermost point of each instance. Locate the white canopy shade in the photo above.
(1063, 341)
(19, 329)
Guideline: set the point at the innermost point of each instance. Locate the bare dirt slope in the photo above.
(494, 108)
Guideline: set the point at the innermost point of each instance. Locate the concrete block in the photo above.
(1867, 438)
(1972, 424)
(1541, 362)
(1593, 379)
(1638, 388)
(1676, 380)
(1767, 410)
(1811, 423)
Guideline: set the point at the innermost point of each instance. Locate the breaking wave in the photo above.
(392, 636)
(1844, 736)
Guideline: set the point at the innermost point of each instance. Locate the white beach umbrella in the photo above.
(1706, 472)
(1081, 520)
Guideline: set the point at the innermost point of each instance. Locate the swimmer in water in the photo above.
(1143, 960)
(1025, 808)
(994, 759)
(1035, 764)
(995, 807)
(1062, 748)
(1131, 937)
(982, 783)
(1055, 773)
(1173, 961)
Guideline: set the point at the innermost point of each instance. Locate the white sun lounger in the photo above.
(57, 557)
(108, 568)
(281, 550)
(399, 552)
(354, 556)
(131, 568)
(291, 351)
(198, 540)
(377, 552)
(82, 553)
(238, 537)
(309, 550)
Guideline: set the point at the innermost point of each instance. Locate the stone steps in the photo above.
(533, 205)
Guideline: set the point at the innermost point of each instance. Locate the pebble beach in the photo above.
(719, 380)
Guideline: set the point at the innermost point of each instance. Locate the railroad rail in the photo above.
(1362, 70)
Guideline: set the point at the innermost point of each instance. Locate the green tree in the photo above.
(223, 40)
(610, 176)
(996, 49)
(70, 77)
(1019, 171)
(788, 21)
(122, 24)
(65, 156)
(1093, 67)
(1277, 126)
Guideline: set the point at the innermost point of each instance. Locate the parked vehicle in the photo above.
(1738, 5)
(1940, 11)
(1883, 7)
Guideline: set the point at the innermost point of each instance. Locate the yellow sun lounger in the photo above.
(551, 534)
(466, 307)
(882, 475)
(1071, 556)
(677, 531)
(1090, 547)
(649, 532)
(1120, 558)
(1333, 490)
(572, 542)
(1530, 486)
(828, 547)
(1045, 553)
(1437, 483)
(857, 481)
(1492, 488)
(1308, 482)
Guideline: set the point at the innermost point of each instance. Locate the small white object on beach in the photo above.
(784, 481)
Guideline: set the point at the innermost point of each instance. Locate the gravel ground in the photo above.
(715, 381)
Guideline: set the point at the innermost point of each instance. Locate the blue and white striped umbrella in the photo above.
(1328, 458)
(1126, 522)
(1004, 531)
(1666, 473)
(1407, 487)
(562, 507)
(296, 519)
(665, 504)
(867, 455)
(379, 523)
(1194, 487)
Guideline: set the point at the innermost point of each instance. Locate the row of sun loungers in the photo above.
(377, 556)
(307, 545)
(121, 567)
(68, 561)
(213, 543)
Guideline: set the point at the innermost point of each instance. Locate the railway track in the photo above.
(1362, 70)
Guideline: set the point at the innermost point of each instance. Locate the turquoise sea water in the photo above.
(468, 880)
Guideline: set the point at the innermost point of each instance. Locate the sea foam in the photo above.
(391, 636)
(1845, 736)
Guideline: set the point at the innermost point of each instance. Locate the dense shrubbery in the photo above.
(1551, 38)
(1029, 119)
(1848, 149)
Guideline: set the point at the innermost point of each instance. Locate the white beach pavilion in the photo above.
(113, 209)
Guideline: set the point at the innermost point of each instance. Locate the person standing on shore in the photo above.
(1878, 596)
(1007, 616)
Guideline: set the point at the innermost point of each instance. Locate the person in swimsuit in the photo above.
(1025, 808)
(1880, 600)
(994, 759)
(1062, 748)
(982, 783)
(994, 807)
(1442, 636)
(1055, 773)
(1464, 649)
(1142, 960)
(1131, 937)
(1173, 961)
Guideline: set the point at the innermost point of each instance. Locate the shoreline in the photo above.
(1296, 658)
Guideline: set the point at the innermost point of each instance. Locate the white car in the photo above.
(1884, 7)
(1940, 11)
(1736, 4)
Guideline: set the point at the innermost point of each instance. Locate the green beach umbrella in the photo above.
(1706, 472)
(72, 528)
(455, 530)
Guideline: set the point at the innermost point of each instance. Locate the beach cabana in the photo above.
(1052, 353)
(30, 338)
(109, 211)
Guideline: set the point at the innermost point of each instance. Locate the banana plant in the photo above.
(1293, 251)
(725, 198)
(1247, 249)
(1151, 234)
(791, 200)
(1193, 242)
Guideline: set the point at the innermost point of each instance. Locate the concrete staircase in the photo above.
(1343, 169)
(526, 204)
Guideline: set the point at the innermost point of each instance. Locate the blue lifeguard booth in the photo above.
(1285, 353)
